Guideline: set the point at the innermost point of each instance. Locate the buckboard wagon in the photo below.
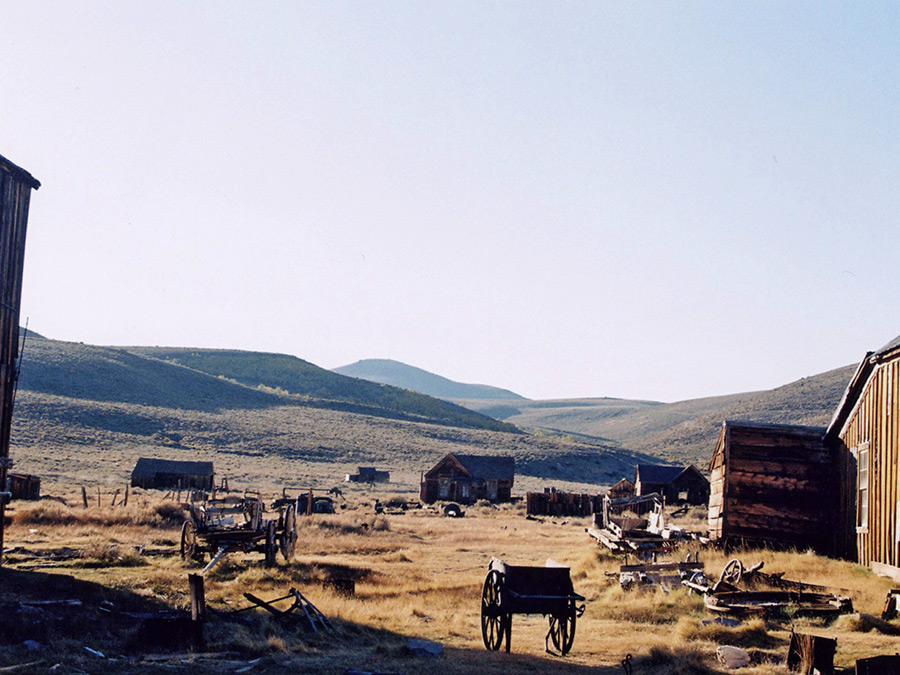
(514, 589)
(217, 526)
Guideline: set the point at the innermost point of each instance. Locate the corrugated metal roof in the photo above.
(487, 467)
(149, 467)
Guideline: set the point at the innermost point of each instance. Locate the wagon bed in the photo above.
(517, 589)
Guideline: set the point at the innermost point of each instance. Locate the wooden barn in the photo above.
(16, 185)
(621, 490)
(864, 435)
(167, 474)
(773, 484)
(678, 484)
(468, 478)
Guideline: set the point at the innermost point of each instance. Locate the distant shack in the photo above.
(468, 478)
(167, 474)
(621, 490)
(368, 474)
(24, 486)
(678, 484)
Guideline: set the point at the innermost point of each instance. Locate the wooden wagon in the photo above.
(512, 589)
(218, 526)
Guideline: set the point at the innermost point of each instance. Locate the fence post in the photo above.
(198, 597)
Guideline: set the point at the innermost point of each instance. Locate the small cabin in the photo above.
(468, 478)
(24, 486)
(368, 474)
(167, 474)
(621, 490)
(773, 484)
(864, 435)
(677, 484)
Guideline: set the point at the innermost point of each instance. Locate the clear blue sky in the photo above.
(566, 199)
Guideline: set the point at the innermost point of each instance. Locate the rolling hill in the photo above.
(681, 432)
(85, 413)
(397, 374)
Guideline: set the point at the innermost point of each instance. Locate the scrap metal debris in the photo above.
(738, 592)
(662, 575)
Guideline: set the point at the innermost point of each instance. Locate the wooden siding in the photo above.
(774, 484)
(874, 420)
(15, 196)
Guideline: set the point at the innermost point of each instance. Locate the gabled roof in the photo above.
(19, 173)
(657, 473)
(858, 384)
(149, 467)
(889, 347)
(487, 467)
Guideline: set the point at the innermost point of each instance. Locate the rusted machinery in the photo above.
(218, 526)
(750, 591)
(512, 589)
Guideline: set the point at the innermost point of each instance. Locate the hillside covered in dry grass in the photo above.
(87, 413)
(680, 432)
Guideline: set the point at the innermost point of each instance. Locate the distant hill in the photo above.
(680, 432)
(397, 374)
(283, 374)
(209, 380)
(85, 413)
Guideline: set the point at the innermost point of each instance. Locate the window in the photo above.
(862, 486)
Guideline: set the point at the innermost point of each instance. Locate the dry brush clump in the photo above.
(753, 633)
(162, 515)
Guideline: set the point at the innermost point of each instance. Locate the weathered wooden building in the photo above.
(468, 478)
(368, 474)
(24, 486)
(773, 484)
(167, 474)
(621, 490)
(552, 502)
(864, 435)
(678, 484)
(16, 185)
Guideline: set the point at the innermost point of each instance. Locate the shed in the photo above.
(468, 478)
(678, 484)
(621, 490)
(864, 435)
(16, 185)
(24, 486)
(368, 474)
(165, 474)
(773, 484)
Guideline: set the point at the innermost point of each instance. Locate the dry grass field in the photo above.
(416, 575)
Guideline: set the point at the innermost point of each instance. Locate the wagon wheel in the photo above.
(188, 540)
(495, 621)
(562, 629)
(733, 572)
(271, 544)
(288, 539)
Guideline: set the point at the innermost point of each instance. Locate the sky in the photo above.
(566, 199)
